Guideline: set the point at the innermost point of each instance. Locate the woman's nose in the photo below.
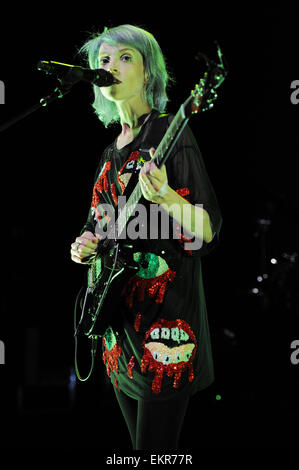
(112, 70)
(112, 67)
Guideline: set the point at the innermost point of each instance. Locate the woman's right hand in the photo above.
(83, 247)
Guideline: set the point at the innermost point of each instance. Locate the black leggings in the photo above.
(153, 425)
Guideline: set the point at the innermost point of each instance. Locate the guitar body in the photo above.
(102, 273)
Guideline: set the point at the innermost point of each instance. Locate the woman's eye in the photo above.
(126, 58)
(104, 60)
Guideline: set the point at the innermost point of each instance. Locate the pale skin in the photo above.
(126, 65)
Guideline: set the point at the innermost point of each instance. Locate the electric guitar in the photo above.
(109, 263)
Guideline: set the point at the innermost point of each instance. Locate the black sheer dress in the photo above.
(158, 343)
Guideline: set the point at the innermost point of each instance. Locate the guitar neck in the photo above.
(171, 136)
(162, 152)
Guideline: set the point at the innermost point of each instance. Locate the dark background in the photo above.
(250, 145)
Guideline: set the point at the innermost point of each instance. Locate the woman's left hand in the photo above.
(153, 181)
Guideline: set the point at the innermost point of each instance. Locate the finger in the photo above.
(82, 249)
(159, 172)
(145, 168)
(149, 167)
(91, 239)
(75, 257)
(157, 178)
(86, 252)
(146, 187)
(88, 235)
(163, 169)
(152, 151)
(79, 260)
(145, 181)
(79, 257)
(85, 242)
(155, 174)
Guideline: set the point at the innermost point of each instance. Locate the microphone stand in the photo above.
(59, 92)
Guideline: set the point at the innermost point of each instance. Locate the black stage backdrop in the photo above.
(250, 145)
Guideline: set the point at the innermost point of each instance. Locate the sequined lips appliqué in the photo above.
(169, 346)
(102, 184)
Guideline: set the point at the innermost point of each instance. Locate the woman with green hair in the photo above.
(157, 347)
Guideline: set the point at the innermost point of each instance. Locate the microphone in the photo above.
(74, 73)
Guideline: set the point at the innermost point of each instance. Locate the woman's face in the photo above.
(126, 65)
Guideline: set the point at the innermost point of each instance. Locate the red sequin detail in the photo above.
(116, 383)
(101, 184)
(113, 193)
(152, 287)
(183, 191)
(182, 240)
(172, 369)
(130, 367)
(137, 321)
(110, 358)
(133, 156)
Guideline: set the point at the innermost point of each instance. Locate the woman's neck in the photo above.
(130, 113)
(131, 120)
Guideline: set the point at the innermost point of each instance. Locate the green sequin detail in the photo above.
(110, 338)
(150, 265)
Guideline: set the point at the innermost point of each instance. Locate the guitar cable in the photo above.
(94, 344)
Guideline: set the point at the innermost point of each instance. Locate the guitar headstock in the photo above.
(204, 94)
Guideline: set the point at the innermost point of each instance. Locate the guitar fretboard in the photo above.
(159, 158)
